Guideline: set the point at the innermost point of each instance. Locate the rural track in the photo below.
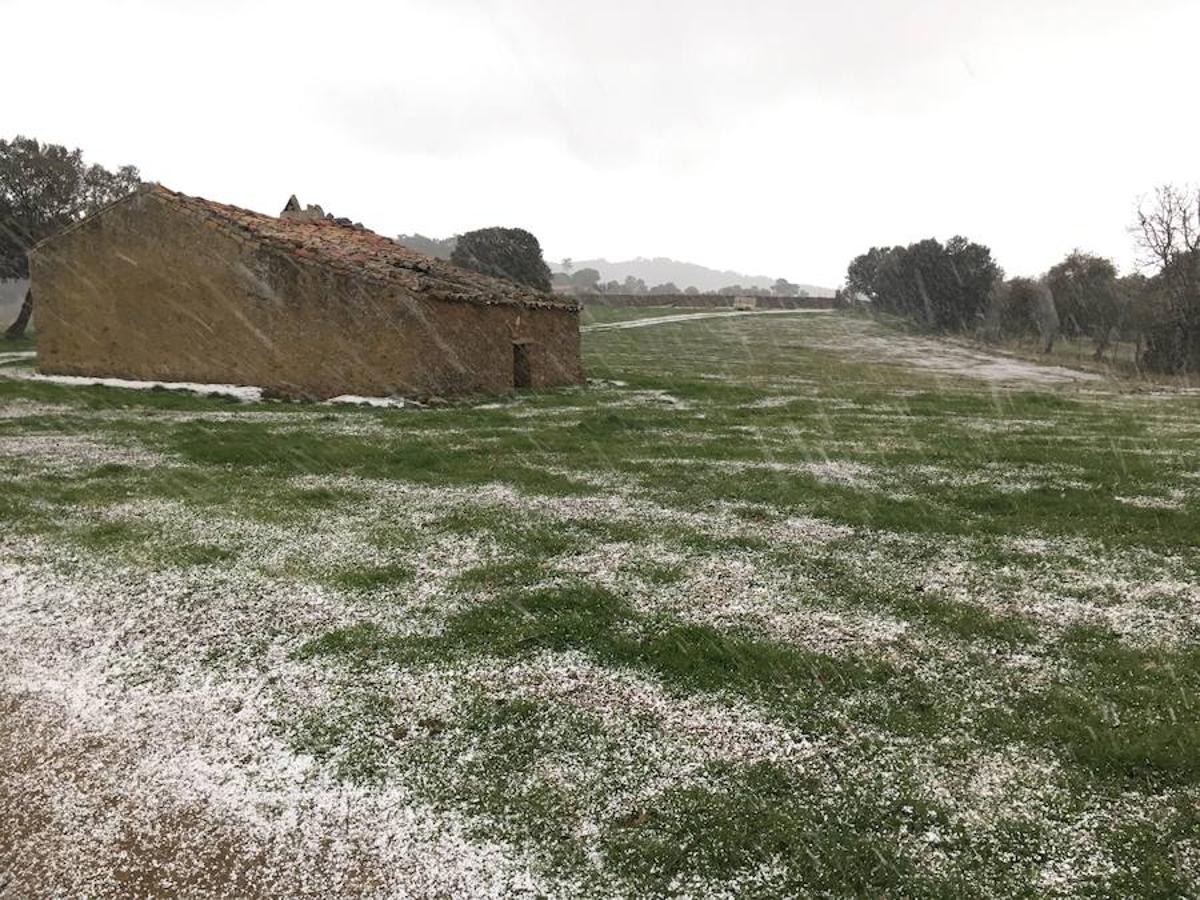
(666, 320)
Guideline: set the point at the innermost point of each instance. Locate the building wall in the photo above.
(143, 291)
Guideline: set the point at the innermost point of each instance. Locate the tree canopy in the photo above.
(1088, 297)
(1021, 307)
(43, 189)
(945, 286)
(586, 280)
(633, 285)
(511, 253)
(1168, 234)
(442, 248)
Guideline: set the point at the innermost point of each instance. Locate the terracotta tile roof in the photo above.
(360, 252)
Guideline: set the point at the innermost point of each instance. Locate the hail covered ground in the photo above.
(776, 604)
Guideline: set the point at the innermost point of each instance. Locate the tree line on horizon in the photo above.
(588, 281)
(958, 287)
(954, 286)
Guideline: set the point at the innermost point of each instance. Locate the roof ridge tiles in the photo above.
(360, 251)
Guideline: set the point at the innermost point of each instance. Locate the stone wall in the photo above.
(703, 301)
(144, 292)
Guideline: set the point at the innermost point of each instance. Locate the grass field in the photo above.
(776, 605)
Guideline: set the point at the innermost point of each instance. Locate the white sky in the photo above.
(768, 136)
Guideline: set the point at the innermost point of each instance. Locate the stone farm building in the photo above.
(161, 286)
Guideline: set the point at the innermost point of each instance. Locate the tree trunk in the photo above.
(17, 328)
(929, 317)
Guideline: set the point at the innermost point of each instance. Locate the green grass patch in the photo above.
(1123, 713)
(189, 554)
(828, 839)
(794, 681)
(371, 578)
(661, 574)
(107, 537)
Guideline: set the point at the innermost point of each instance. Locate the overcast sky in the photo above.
(776, 137)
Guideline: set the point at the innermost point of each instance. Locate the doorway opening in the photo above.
(521, 376)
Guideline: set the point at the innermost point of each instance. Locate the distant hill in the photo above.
(662, 270)
(659, 270)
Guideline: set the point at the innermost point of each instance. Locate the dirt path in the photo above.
(686, 317)
(945, 356)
